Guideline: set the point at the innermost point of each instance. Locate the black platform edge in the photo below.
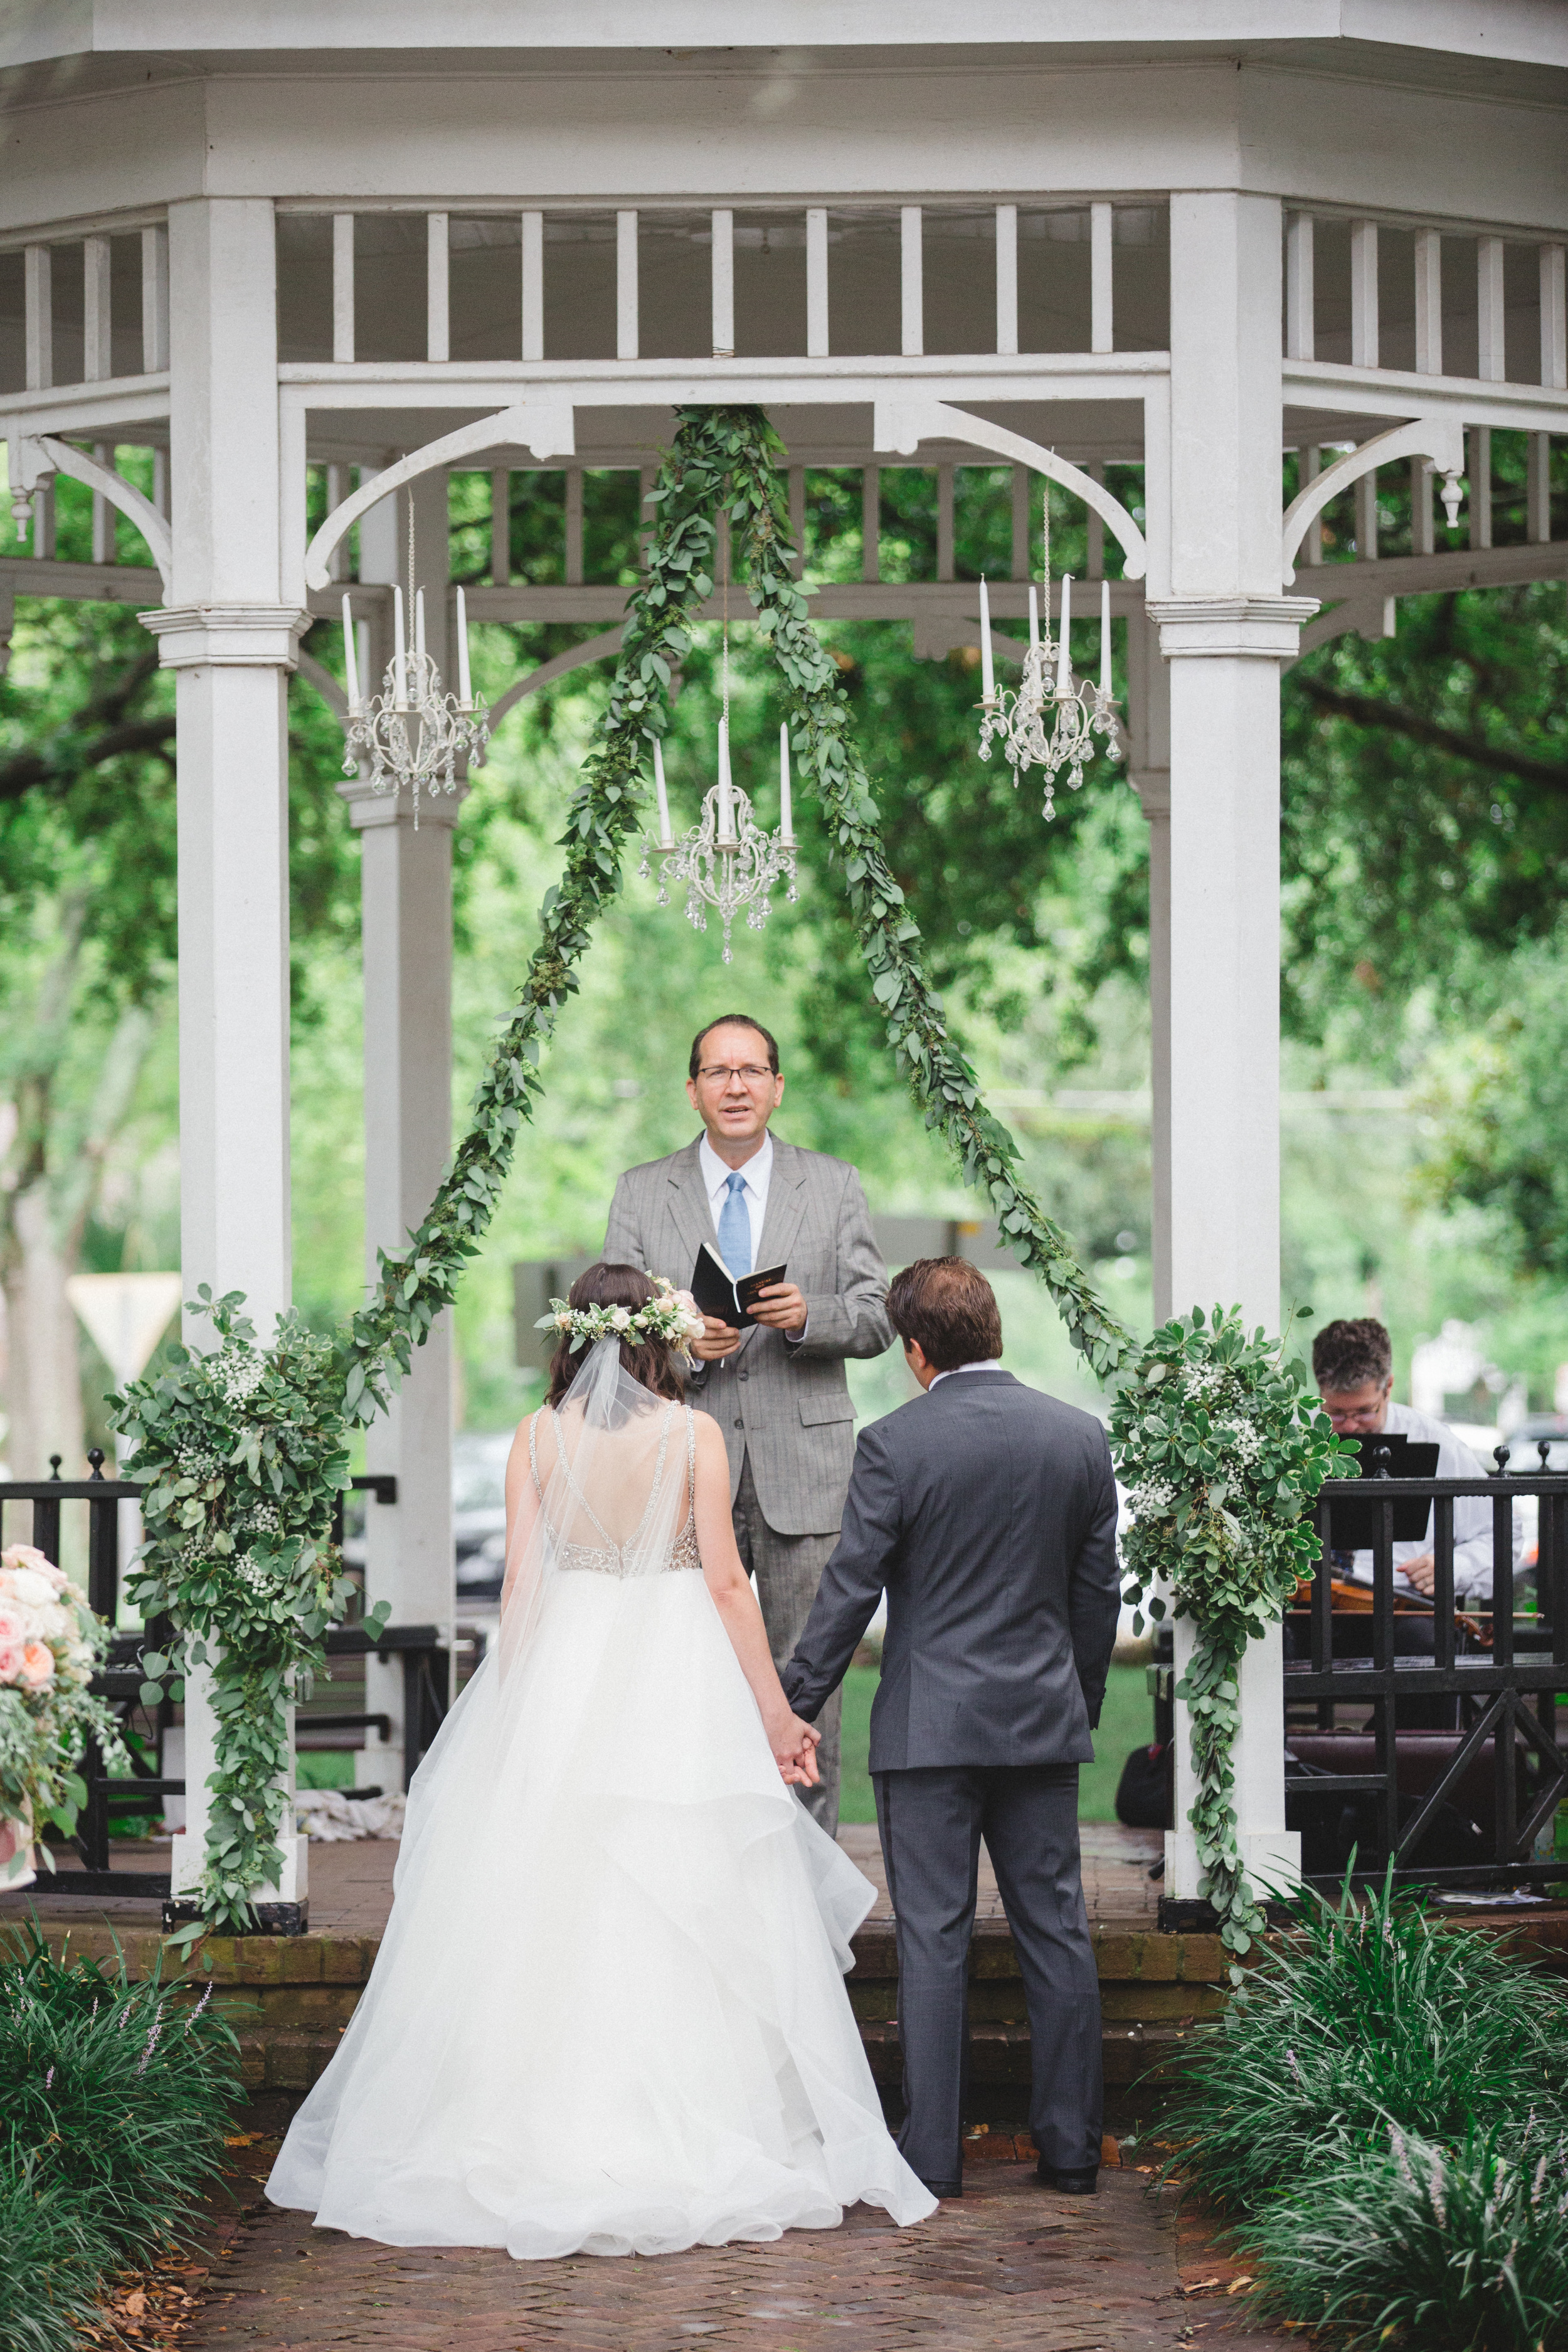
(1183, 1916)
(268, 1918)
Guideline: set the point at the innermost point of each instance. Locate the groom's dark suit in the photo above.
(988, 1512)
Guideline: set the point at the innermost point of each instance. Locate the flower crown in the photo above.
(670, 1316)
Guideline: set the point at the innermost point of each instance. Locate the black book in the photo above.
(729, 1297)
(1353, 1525)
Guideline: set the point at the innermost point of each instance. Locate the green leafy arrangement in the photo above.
(1383, 2107)
(1221, 1451)
(115, 2098)
(217, 1456)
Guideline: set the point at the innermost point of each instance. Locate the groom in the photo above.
(988, 1511)
(778, 1392)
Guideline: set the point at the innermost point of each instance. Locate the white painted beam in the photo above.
(1429, 302)
(342, 289)
(1422, 538)
(1300, 301)
(437, 289)
(1101, 279)
(533, 286)
(817, 310)
(724, 285)
(102, 512)
(1553, 317)
(1479, 502)
(97, 360)
(1538, 490)
(1365, 309)
(155, 299)
(625, 286)
(1008, 279)
(912, 281)
(230, 642)
(37, 270)
(1491, 316)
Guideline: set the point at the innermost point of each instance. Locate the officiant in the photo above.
(776, 1386)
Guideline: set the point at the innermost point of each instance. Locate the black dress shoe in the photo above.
(1069, 2184)
(946, 2187)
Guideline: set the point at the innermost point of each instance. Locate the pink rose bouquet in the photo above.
(50, 1647)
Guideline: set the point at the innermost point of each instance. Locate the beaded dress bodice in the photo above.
(610, 1558)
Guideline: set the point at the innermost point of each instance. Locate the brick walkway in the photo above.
(1010, 2265)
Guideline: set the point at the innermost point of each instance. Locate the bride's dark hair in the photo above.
(647, 1361)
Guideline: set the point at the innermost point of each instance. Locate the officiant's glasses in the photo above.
(751, 1074)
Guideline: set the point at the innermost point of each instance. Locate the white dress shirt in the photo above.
(756, 1173)
(985, 1364)
(1472, 1513)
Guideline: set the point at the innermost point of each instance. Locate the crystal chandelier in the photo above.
(414, 732)
(726, 861)
(1051, 721)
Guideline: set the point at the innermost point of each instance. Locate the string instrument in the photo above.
(1350, 1600)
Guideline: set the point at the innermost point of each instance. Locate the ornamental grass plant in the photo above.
(115, 2100)
(1382, 2109)
(1450, 2249)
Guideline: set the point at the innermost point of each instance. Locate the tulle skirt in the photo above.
(608, 2013)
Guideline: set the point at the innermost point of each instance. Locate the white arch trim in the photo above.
(37, 456)
(545, 426)
(1441, 438)
(903, 424)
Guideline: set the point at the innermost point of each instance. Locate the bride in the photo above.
(607, 2015)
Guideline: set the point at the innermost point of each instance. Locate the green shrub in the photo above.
(1449, 2249)
(114, 2106)
(1366, 2013)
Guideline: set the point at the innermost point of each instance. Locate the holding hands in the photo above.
(795, 1746)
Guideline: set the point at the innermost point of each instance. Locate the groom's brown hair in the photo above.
(947, 1306)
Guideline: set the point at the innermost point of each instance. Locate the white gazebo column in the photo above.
(1225, 630)
(231, 642)
(1149, 772)
(406, 946)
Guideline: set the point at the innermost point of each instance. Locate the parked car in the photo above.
(478, 1510)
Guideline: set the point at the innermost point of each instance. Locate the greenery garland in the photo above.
(229, 1437)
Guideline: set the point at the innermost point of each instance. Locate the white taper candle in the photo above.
(1105, 637)
(786, 814)
(419, 623)
(399, 652)
(666, 837)
(1033, 616)
(1064, 657)
(465, 686)
(987, 674)
(350, 666)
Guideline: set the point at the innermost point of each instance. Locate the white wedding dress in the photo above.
(608, 2014)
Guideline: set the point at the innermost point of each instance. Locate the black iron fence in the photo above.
(1422, 1729)
(115, 1803)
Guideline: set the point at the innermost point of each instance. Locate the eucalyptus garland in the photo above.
(246, 1448)
(1221, 1452)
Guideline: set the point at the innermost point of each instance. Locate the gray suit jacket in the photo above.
(988, 1511)
(785, 1403)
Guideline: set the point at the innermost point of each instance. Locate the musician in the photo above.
(1353, 1363)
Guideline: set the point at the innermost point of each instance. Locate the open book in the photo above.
(729, 1297)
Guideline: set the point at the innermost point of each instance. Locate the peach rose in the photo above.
(10, 1661)
(37, 1666)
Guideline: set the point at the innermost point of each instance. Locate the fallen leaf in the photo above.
(1236, 2284)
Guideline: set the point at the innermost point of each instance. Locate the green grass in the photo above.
(323, 1767)
(114, 2103)
(1127, 1722)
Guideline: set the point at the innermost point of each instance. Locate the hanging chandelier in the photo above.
(1051, 721)
(413, 732)
(727, 861)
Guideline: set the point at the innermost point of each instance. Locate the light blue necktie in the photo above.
(735, 1227)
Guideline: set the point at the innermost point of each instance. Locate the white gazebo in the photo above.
(385, 240)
